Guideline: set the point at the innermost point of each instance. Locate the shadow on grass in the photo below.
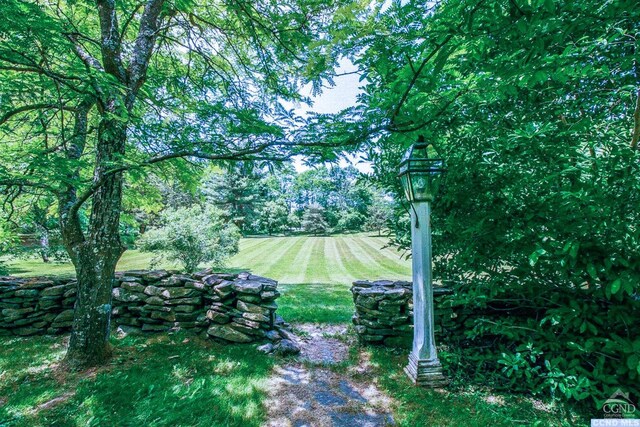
(315, 303)
(460, 404)
(158, 380)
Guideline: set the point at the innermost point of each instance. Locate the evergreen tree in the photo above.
(313, 220)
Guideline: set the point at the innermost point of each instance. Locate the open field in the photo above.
(290, 260)
(321, 260)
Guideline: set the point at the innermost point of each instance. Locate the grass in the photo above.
(334, 260)
(290, 260)
(159, 380)
(315, 303)
(460, 404)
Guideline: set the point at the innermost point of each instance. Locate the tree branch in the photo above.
(424, 62)
(110, 43)
(24, 108)
(636, 123)
(144, 45)
(84, 56)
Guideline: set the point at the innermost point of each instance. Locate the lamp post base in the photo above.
(425, 373)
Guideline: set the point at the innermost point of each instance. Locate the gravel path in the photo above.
(306, 392)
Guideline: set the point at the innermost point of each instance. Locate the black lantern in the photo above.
(421, 171)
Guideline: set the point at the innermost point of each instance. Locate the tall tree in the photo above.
(91, 91)
(313, 220)
(239, 192)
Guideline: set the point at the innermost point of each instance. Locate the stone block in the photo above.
(256, 317)
(246, 322)
(269, 295)
(154, 275)
(247, 330)
(17, 312)
(65, 316)
(197, 301)
(54, 291)
(247, 286)
(199, 286)
(254, 299)
(169, 317)
(26, 293)
(153, 291)
(224, 289)
(252, 308)
(122, 295)
(228, 333)
(154, 301)
(218, 317)
(211, 279)
(187, 317)
(184, 308)
(133, 287)
(173, 293)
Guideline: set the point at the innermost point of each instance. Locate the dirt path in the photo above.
(307, 392)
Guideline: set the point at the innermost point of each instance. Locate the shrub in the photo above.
(192, 236)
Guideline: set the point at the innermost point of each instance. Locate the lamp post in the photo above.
(420, 175)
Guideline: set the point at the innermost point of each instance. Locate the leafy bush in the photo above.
(537, 225)
(192, 236)
(349, 220)
(8, 242)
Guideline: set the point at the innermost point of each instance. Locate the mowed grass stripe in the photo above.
(355, 266)
(335, 269)
(363, 253)
(382, 244)
(281, 259)
(262, 260)
(298, 267)
(384, 259)
(249, 255)
(249, 242)
(316, 269)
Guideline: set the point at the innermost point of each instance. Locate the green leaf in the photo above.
(615, 286)
(550, 6)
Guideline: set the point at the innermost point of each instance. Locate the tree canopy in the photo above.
(91, 91)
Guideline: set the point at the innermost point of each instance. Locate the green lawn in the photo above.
(290, 260)
(321, 260)
(152, 380)
(165, 380)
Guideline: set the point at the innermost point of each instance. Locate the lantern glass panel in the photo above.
(420, 174)
(421, 184)
(406, 186)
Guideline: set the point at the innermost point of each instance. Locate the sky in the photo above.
(332, 100)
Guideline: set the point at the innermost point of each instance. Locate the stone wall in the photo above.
(384, 311)
(230, 307)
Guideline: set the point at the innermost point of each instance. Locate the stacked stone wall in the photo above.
(384, 311)
(230, 307)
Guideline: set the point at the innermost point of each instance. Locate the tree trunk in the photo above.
(95, 258)
(89, 343)
(44, 245)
